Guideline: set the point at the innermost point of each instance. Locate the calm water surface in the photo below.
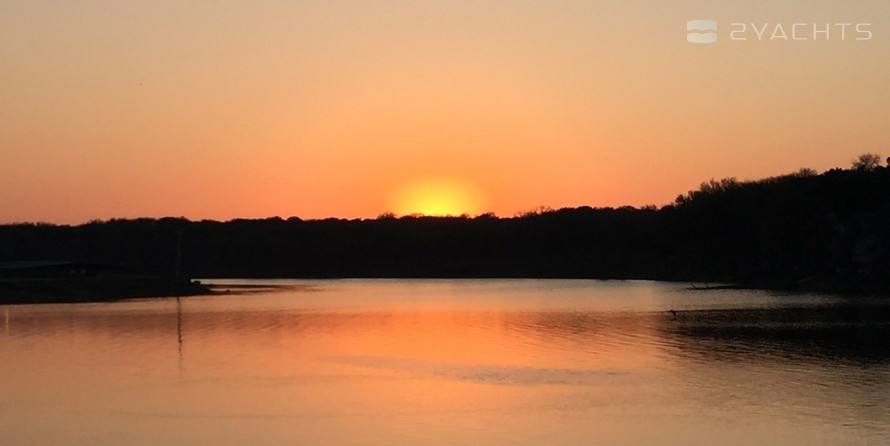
(481, 362)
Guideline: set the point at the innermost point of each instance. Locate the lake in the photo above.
(435, 362)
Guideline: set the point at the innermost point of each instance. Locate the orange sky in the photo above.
(355, 108)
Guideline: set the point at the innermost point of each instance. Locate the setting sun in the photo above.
(438, 196)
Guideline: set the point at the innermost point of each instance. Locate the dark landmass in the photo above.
(803, 232)
(24, 282)
(93, 289)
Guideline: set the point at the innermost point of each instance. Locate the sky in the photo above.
(351, 109)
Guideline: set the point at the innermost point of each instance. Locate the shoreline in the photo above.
(19, 291)
(26, 291)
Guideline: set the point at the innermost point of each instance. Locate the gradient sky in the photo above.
(225, 109)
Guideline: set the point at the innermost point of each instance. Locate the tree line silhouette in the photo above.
(803, 231)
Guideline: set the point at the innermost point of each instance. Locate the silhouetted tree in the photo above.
(867, 161)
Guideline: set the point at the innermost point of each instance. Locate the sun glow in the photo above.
(438, 197)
